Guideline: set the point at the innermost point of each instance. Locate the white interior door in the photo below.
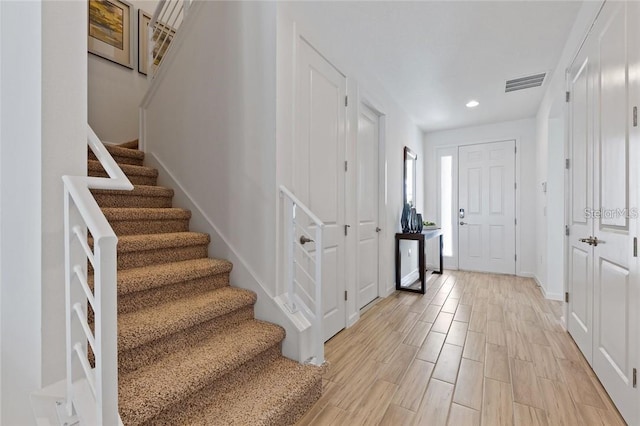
(580, 257)
(486, 202)
(319, 154)
(367, 184)
(615, 311)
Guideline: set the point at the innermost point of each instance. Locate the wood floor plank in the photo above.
(457, 333)
(463, 313)
(463, 416)
(497, 363)
(374, 404)
(525, 383)
(430, 349)
(580, 385)
(496, 334)
(442, 323)
(348, 396)
(328, 416)
(560, 408)
(394, 370)
(474, 346)
(430, 314)
(562, 345)
(417, 334)
(469, 384)
(494, 313)
(446, 368)
(529, 416)
(413, 385)
(532, 333)
(518, 347)
(478, 321)
(434, 408)
(497, 407)
(396, 415)
(450, 305)
(545, 363)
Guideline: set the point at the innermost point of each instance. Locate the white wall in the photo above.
(115, 91)
(43, 67)
(550, 140)
(399, 131)
(523, 131)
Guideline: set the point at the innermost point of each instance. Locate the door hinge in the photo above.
(635, 246)
(515, 149)
(346, 166)
(566, 230)
(345, 295)
(567, 96)
(635, 377)
(345, 229)
(515, 221)
(515, 257)
(635, 116)
(346, 101)
(566, 297)
(567, 163)
(515, 185)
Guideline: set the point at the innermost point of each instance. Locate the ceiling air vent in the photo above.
(524, 82)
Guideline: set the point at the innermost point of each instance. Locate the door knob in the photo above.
(592, 241)
(463, 223)
(378, 229)
(304, 240)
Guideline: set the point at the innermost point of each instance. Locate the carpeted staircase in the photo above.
(189, 348)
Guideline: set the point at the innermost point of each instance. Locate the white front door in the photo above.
(319, 154)
(615, 328)
(580, 257)
(486, 202)
(367, 184)
(603, 271)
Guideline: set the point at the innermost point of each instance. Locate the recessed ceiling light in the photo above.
(472, 104)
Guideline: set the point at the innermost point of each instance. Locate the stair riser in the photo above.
(120, 159)
(137, 259)
(135, 179)
(196, 402)
(124, 200)
(169, 293)
(144, 355)
(136, 227)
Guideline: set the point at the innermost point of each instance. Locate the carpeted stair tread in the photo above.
(145, 213)
(146, 278)
(147, 391)
(138, 190)
(146, 242)
(145, 325)
(276, 393)
(130, 145)
(122, 155)
(138, 175)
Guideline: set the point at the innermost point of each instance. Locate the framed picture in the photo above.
(165, 34)
(110, 30)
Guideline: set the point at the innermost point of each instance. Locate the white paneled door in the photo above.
(367, 184)
(319, 154)
(603, 274)
(486, 202)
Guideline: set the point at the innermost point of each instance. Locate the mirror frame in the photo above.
(409, 156)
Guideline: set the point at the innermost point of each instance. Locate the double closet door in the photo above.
(603, 281)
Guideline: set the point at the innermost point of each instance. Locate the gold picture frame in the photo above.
(109, 30)
(143, 40)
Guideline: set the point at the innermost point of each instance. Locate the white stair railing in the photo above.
(163, 26)
(82, 213)
(303, 286)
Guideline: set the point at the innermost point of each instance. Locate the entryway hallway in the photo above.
(475, 349)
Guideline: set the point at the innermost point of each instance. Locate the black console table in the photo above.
(426, 234)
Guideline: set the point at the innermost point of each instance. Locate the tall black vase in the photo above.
(419, 216)
(404, 218)
(414, 220)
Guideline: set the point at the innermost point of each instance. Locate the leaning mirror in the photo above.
(410, 160)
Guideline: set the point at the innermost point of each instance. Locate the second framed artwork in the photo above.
(110, 31)
(162, 39)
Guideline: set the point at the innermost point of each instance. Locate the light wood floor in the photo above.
(475, 349)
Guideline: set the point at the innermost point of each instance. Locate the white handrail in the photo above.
(167, 24)
(316, 315)
(82, 213)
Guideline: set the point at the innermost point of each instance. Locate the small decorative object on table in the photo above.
(419, 219)
(429, 225)
(413, 224)
(404, 219)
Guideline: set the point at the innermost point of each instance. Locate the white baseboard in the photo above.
(410, 278)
